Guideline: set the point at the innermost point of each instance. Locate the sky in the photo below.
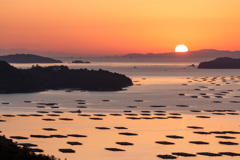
(112, 27)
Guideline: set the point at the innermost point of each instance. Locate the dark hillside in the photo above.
(13, 80)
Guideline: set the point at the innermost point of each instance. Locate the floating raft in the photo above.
(198, 142)
(209, 154)
(184, 154)
(76, 135)
(18, 137)
(165, 142)
(121, 127)
(94, 118)
(175, 137)
(229, 153)
(74, 143)
(194, 127)
(114, 149)
(102, 128)
(49, 129)
(128, 134)
(157, 106)
(58, 136)
(40, 136)
(228, 143)
(66, 150)
(166, 156)
(124, 143)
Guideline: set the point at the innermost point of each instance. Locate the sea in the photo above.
(171, 102)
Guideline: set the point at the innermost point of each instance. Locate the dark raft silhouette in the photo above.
(13, 80)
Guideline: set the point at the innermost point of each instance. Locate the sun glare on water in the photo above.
(181, 48)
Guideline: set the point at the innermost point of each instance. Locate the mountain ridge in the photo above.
(190, 54)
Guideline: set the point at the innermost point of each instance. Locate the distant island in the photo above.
(27, 58)
(221, 63)
(79, 61)
(13, 80)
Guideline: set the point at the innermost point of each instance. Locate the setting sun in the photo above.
(181, 48)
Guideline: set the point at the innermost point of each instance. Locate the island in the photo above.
(37, 78)
(79, 61)
(27, 58)
(221, 63)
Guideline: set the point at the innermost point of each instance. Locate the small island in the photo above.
(14, 80)
(27, 58)
(79, 61)
(221, 63)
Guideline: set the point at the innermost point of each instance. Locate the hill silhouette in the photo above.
(11, 151)
(221, 63)
(27, 58)
(13, 80)
(205, 53)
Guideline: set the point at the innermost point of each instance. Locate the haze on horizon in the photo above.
(97, 27)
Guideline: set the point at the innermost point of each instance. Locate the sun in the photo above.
(181, 48)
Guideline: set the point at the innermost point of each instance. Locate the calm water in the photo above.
(155, 84)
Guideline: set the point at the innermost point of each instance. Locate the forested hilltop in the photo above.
(14, 80)
(11, 151)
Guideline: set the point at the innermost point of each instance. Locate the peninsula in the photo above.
(27, 58)
(14, 80)
(221, 63)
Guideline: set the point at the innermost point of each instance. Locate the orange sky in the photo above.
(110, 27)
